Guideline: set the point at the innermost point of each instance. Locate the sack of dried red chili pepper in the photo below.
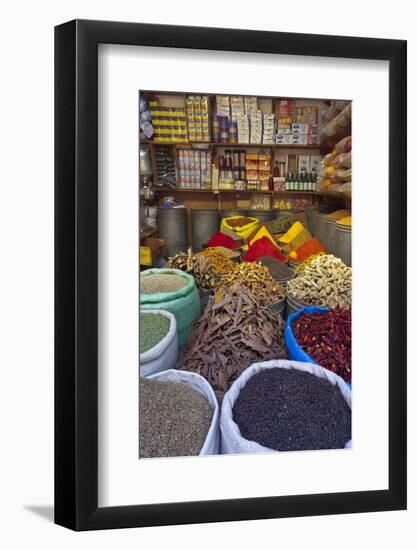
(322, 336)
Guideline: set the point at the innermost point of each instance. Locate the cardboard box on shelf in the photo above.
(298, 139)
(279, 184)
(286, 109)
(315, 161)
(313, 139)
(303, 163)
(306, 114)
(151, 251)
(299, 128)
(313, 128)
(284, 139)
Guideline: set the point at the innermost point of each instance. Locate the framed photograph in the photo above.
(230, 323)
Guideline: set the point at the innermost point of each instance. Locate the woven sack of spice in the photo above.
(232, 441)
(183, 303)
(164, 354)
(243, 230)
(197, 382)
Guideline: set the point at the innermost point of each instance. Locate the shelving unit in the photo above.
(226, 198)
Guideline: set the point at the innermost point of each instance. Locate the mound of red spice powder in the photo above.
(310, 247)
(263, 247)
(327, 338)
(220, 239)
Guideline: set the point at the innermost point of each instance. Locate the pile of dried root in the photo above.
(206, 267)
(257, 279)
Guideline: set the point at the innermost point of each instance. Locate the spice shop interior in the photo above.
(245, 275)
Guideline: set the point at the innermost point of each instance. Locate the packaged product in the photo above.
(286, 111)
(299, 139)
(299, 128)
(344, 145)
(340, 176)
(324, 184)
(346, 189)
(329, 158)
(329, 113)
(344, 160)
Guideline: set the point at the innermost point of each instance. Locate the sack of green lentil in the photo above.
(174, 291)
(256, 400)
(158, 341)
(193, 380)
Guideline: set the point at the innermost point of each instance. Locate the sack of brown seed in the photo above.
(185, 422)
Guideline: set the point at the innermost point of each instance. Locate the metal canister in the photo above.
(172, 228)
(204, 223)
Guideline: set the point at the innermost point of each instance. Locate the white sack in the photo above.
(164, 355)
(197, 382)
(231, 438)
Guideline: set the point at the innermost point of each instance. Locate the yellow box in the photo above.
(151, 251)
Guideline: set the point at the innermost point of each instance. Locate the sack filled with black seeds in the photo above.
(175, 418)
(286, 406)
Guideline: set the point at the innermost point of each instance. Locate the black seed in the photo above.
(291, 410)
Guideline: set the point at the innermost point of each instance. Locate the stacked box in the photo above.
(205, 119)
(303, 164)
(197, 118)
(170, 124)
(268, 135)
(313, 135)
(304, 133)
(255, 119)
(315, 161)
(299, 128)
(205, 163)
(221, 129)
(286, 111)
(242, 129)
(258, 171)
(306, 114)
(264, 171)
(251, 104)
(313, 139)
(298, 139)
(223, 105)
(283, 139)
(165, 165)
(237, 105)
(313, 129)
(251, 166)
(194, 169)
(284, 129)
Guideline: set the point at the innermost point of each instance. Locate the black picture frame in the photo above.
(76, 271)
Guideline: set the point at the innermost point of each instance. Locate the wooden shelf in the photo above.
(229, 145)
(222, 191)
(264, 145)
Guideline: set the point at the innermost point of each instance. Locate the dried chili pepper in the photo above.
(327, 338)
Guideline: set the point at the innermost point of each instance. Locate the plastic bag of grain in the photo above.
(232, 441)
(197, 382)
(164, 354)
